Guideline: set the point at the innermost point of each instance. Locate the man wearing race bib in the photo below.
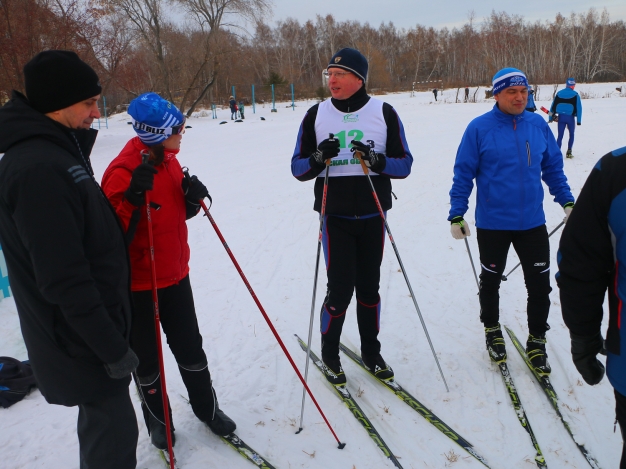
(353, 230)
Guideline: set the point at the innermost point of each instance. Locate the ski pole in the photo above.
(395, 248)
(471, 260)
(505, 277)
(265, 316)
(317, 265)
(157, 328)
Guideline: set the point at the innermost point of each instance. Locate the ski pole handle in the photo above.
(190, 182)
(186, 173)
(331, 136)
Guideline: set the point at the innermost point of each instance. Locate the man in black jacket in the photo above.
(353, 232)
(66, 256)
(591, 253)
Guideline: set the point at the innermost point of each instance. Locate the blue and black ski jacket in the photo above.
(592, 260)
(567, 101)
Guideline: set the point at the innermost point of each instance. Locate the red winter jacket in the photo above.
(169, 227)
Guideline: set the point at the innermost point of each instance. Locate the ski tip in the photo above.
(341, 445)
(299, 430)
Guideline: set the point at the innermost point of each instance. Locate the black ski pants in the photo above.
(107, 433)
(533, 249)
(620, 412)
(180, 325)
(353, 250)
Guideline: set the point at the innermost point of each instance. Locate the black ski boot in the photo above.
(152, 407)
(221, 424)
(333, 371)
(157, 432)
(536, 352)
(378, 367)
(495, 344)
(203, 400)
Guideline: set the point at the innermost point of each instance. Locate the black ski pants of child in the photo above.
(353, 250)
(180, 325)
(107, 433)
(533, 249)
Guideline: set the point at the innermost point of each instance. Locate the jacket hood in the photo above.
(19, 122)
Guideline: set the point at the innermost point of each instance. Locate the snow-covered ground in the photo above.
(267, 219)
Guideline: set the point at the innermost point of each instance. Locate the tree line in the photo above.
(193, 52)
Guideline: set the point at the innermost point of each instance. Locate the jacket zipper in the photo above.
(528, 151)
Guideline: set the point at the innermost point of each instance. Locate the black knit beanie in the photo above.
(56, 79)
(351, 60)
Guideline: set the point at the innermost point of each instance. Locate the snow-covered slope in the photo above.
(267, 219)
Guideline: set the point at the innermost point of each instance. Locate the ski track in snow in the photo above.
(267, 219)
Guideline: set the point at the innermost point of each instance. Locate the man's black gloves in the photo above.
(141, 181)
(327, 149)
(124, 367)
(194, 190)
(584, 351)
(375, 161)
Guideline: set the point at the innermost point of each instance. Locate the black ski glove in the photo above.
(375, 161)
(124, 367)
(327, 149)
(194, 190)
(584, 352)
(141, 181)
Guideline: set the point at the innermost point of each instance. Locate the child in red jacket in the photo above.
(160, 126)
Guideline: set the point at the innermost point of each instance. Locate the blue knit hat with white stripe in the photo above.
(508, 77)
(153, 118)
(570, 82)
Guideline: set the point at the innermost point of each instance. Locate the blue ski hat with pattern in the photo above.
(570, 82)
(153, 118)
(508, 77)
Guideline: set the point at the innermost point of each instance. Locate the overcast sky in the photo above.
(450, 13)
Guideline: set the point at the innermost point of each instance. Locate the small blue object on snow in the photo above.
(223, 122)
(5, 289)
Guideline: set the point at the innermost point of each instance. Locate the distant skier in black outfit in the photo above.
(353, 231)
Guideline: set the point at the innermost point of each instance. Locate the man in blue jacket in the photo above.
(353, 231)
(591, 251)
(509, 152)
(566, 106)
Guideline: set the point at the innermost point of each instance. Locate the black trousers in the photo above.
(180, 325)
(533, 248)
(353, 250)
(107, 433)
(620, 412)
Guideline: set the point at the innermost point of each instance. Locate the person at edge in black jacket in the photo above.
(353, 231)
(590, 258)
(66, 256)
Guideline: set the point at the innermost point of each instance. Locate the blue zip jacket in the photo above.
(567, 101)
(508, 156)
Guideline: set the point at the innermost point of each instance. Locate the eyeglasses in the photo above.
(339, 75)
(179, 129)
